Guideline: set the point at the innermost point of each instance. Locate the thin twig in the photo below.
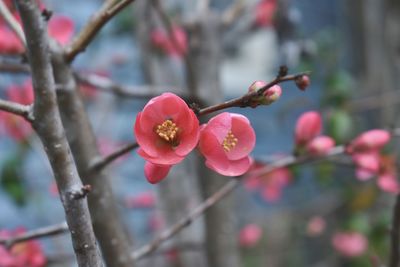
(35, 234)
(233, 12)
(7, 65)
(103, 162)
(107, 85)
(95, 24)
(12, 22)
(220, 194)
(17, 109)
(244, 101)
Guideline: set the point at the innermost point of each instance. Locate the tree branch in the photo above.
(13, 66)
(244, 101)
(51, 132)
(95, 24)
(17, 109)
(220, 194)
(46, 231)
(99, 164)
(12, 22)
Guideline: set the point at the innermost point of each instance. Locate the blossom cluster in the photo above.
(167, 130)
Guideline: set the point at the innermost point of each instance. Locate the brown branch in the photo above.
(220, 194)
(95, 24)
(51, 133)
(17, 109)
(46, 231)
(395, 235)
(99, 164)
(244, 101)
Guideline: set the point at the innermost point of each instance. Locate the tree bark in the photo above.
(111, 233)
(49, 128)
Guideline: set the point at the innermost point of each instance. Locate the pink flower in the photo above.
(316, 226)
(350, 244)
(9, 42)
(11, 124)
(320, 145)
(26, 254)
(161, 40)
(270, 184)
(61, 28)
(308, 126)
(367, 161)
(142, 200)
(264, 13)
(250, 235)
(166, 130)
(370, 140)
(226, 141)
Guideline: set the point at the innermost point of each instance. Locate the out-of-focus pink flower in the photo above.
(9, 42)
(316, 226)
(11, 124)
(387, 176)
(320, 145)
(250, 235)
(367, 161)
(156, 222)
(141, 200)
(308, 126)
(226, 142)
(371, 140)
(61, 28)
(166, 130)
(26, 254)
(264, 13)
(271, 184)
(350, 244)
(161, 40)
(53, 189)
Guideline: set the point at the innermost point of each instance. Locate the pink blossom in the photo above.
(350, 244)
(364, 174)
(269, 96)
(320, 145)
(308, 126)
(10, 124)
(250, 235)
(142, 200)
(388, 183)
(61, 28)
(26, 254)
(9, 42)
(369, 141)
(161, 40)
(316, 226)
(271, 184)
(264, 13)
(226, 141)
(367, 161)
(166, 130)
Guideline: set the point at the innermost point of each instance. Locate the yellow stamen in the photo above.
(167, 131)
(229, 142)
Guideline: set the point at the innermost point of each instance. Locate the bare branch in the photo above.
(220, 194)
(95, 24)
(243, 101)
(13, 66)
(12, 22)
(103, 162)
(107, 85)
(51, 132)
(17, 109)
(46, 231)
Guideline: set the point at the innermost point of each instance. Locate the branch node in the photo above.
(80, 193)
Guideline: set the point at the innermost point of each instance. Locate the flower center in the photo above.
(229, 142)
(167, 131)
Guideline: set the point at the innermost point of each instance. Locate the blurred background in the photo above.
(292, 218)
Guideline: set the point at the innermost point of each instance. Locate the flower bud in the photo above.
(302, 82)
(155, 173)
(255, 86)
(370, 140)
(308, 126)
(320, 145)
(268, 97)
(250, 235)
